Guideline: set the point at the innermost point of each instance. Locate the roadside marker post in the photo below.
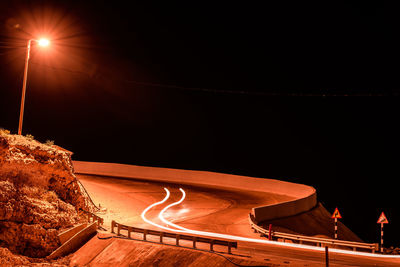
(270, 232)
(336, 215)
(326, 257)
(382, 220)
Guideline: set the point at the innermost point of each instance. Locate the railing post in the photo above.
(129, 231)
(118, 229)
(194, 242)
(144, 234)
(112, 227)
(177, 239)
(270, 232)
(375, 249)
(212, 245)
(229, 248)
(161, 237)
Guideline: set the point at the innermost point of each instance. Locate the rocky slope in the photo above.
(39, 195)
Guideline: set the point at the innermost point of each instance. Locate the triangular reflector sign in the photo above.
(382, 218)
(336, 214)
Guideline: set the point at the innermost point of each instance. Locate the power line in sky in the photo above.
(236, 92)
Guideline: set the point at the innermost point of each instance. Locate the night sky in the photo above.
(303, 92)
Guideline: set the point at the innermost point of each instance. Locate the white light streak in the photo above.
(143, 215)
(181, 229)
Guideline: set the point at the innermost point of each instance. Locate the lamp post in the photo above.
(41, 42)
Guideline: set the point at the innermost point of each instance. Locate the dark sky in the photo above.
(304, 92)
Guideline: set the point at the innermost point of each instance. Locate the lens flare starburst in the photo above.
(43, 42)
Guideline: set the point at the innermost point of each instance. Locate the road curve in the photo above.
(209, 209)
(301, 198)
(206, 209)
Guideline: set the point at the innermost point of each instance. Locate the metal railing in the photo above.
(309, 239)
(178, 237)
(86, 195)
(93, 217)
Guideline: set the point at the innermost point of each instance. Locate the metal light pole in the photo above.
(41, 42)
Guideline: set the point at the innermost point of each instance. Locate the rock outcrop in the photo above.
(9, 259)
(25, 161)
(39, 195)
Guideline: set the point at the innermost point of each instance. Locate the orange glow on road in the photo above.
(181, 229)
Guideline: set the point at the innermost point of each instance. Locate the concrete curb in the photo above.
(305, 197)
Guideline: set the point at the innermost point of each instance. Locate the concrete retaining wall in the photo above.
(75, 241)
(305, 197)
(66, 235)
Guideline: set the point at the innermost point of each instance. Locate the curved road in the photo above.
(207, 209)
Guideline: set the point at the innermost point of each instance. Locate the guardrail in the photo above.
(309, 239)
(178, 237)
(93, 217)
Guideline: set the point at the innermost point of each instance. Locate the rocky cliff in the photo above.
(39, 195)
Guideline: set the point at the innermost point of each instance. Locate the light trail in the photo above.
(160, 215)
(153, 205)
(181, 229)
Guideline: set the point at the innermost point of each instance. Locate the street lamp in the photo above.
(41, 42)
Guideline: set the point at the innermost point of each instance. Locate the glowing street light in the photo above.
(42, 42)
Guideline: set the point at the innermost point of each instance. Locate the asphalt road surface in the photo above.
(211, 210)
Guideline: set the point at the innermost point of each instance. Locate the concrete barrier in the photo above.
(304, 197)
(75, 241)
(285, 209)
(66, 235)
